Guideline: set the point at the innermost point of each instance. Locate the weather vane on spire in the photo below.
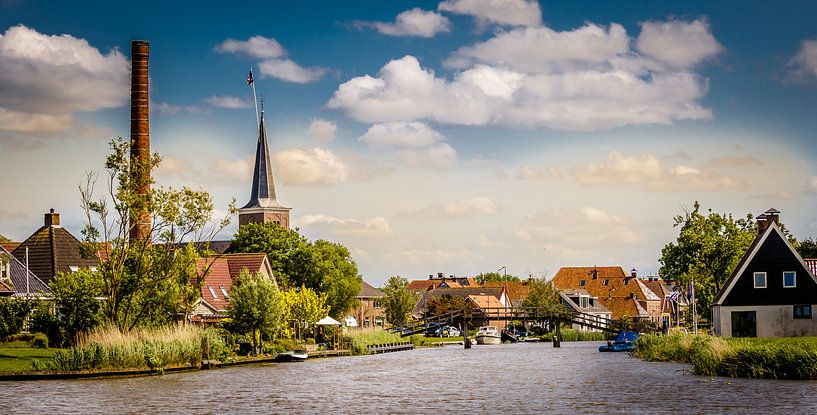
(251, 83)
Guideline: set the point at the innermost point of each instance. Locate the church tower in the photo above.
(263, 205)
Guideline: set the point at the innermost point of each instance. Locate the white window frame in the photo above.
(224, 292)
(794, 279)
(765, 279)
(212, 292)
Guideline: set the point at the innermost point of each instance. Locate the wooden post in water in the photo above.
(557, 334)
(465, 340)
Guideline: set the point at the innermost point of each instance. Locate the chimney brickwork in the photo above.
(140, 136)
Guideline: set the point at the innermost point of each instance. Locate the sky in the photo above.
(460, 136)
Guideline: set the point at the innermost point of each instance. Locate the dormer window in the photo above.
(789, 279)
(582, 283)
(606, 282)
(760, 279)
(224, 292)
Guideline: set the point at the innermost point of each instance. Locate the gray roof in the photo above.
(18, 277)
(367, 291)
(567, 295)
(455, 292)
(263, 185)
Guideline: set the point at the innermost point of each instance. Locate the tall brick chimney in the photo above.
(140, 135)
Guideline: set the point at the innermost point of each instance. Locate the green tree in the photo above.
(304, 307)
(496, 277)
(145, 282)
(399, 301)
(323, 266)
(445, 304)
(808, 248)
(3, 239)
(544, 297)
(13, 312)
(283, 247)
(78, 306)
(707, 249)
(255, 306)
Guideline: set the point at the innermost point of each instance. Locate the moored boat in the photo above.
(292, 356)
(625, 342)
(488, 335)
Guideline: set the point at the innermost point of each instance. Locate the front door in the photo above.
(744, 324)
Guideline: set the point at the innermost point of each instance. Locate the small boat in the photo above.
(532, 339)
(488, 335)
(625, 342)
(292, 356)
(508, 336)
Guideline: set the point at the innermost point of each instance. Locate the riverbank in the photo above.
(783, 358)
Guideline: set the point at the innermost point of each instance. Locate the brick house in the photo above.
(220, 273)
(369, 312)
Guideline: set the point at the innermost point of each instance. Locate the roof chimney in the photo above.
(633, 273)
(140, 135)
(440, 275)
(431, 276)
(52, 219)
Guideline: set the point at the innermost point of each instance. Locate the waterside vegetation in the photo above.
(779, 358)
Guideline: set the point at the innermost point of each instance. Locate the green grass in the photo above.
(360, 339)
(18, 356)
(781, 358)
(571, 335)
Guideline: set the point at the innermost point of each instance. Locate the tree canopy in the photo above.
(255, 306)
(708, 247)
(543, 297)
(145, 282)
(398, 301)
(326, 267)
(496, 277)
(304, 307)
(808, 248)
(3, 239)
(75, 294)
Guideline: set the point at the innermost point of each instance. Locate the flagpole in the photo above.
(694, 310)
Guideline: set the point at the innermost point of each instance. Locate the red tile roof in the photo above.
(515, 290)
(811, 263)
(610, 283)
(223, 271)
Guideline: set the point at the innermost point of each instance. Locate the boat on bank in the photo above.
(292, 356)
(624, 342)
(488, 335)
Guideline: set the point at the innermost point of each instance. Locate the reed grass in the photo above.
(361, 339)
(153, 348)
(571, 335)
(783, 358)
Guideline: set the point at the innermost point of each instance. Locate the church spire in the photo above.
(263, 205)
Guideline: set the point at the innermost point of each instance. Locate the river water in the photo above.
(520, 378)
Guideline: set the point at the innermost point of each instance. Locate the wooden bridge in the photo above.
(524, 314)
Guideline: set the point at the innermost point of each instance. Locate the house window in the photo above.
(224, 292)
(376, 304)
(582, 282)
(583, 302)
(378, 321)
(789, 279)
(606, 282)
(212, 292)
(73, 268)
(760, 280)
(802, 311)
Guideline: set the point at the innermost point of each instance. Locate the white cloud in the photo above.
(528, 172)
(646, 170)
(376, 226)
(478, 206)
(544, 50)
(322, 130)
(677, 43)
(316, 166)
(256, 47)
(414, 22)
(430, 257)
(45, 78)
(440, 156)
(401, 134)
(734, 161)
(588, 226)
(275, 62)
(483, 95)
(804, 64)
(290, 71)
(235, 169)
(227, 101)
(505, 12)
(812, 183)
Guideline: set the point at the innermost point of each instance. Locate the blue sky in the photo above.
(457, 136)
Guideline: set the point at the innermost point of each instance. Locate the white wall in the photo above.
(772, 321)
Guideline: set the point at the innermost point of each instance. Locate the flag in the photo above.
(249, 78)
(692, 291)
(674, 296)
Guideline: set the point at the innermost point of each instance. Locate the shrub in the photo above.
(40, 341)
(361, 339)
(44, 321)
